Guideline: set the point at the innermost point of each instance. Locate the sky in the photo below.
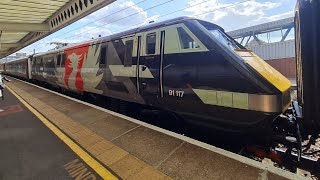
(126, 14)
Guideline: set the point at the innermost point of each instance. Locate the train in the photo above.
(1, 67)
(307, 28)
(184, 65)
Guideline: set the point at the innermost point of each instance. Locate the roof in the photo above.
(23, 22)
(17, 60)
(152, 25)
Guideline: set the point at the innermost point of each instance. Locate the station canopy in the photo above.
(23, 22)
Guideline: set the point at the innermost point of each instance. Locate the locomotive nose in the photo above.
(273, 76)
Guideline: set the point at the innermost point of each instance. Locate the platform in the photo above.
(30, 151)
(127, 148)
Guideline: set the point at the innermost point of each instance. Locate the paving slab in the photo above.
(192, 162)
(149, 145)
(72, 109)
(88, 115)
(111, 127)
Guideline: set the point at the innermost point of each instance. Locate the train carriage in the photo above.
(187, 66)
(44, 67)
(2, 67)
(19, 68)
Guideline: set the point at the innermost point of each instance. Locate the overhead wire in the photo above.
(96, 20)
(135, 25)
(143, 10)
(231, 5)
(152, 7)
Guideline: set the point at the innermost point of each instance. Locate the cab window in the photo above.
(186, 41)
(151, 43)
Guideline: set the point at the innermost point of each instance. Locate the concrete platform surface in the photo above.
(136, 150)
(29, 150)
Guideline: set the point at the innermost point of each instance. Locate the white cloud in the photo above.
(88, 32)
(253, 8)
(117, 17)
(232, 17)
(276, 17)
(219, 14)
(119, 14)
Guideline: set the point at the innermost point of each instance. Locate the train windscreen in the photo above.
(226, 41)
(221, 36)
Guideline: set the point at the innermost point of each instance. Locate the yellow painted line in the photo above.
(95, 165)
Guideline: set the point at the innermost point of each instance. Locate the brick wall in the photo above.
(286, 66)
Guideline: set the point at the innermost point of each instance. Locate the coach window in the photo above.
(45, 63)
(49, 64)
(23, 67)
(186, 41)
(63, 59)
(34, 61)
(37, 64)
(58, 60)
(103, 53)
(41, 65)
(151, 43)
(128, 53)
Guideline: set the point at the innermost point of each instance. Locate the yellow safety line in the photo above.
(95, 165)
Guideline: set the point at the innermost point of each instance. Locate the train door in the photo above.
(29, 68)
(149, 71)
(60, 68)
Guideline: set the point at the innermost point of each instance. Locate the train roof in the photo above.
(155, 25)
(143, 28)
(18, 59)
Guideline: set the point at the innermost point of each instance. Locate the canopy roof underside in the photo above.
(23, 22)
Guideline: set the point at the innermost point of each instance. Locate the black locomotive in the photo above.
(185, 65)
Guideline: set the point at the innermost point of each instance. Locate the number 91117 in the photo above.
(176, 93)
